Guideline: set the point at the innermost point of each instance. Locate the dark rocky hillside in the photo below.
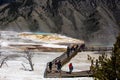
(95, 21)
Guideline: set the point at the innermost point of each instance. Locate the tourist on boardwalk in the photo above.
(72, 48)
(82, 47)
(50, 66)
(59, 65)
(68, 52)
(70, 68)
(76, 47)
(56, 61)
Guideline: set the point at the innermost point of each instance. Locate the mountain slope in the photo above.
(90, 20)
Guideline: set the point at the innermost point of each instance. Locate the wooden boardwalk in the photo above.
(64, 60)
(97, 49)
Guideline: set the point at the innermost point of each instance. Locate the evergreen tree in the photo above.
(105, 68)
(116, 58)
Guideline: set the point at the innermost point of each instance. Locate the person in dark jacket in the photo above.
(50, 66)
(82, 47)
(56, 63)
(76, 47)
(59, 65)
(68, 52)
(72, 48)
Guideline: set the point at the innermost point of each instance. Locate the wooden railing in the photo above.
(97, 49)
(63, 58)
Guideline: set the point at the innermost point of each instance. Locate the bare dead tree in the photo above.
(28, 56)
(3, 61)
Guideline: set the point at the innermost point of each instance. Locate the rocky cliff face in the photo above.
(95, 21)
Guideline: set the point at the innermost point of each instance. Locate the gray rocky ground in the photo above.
(95, 21)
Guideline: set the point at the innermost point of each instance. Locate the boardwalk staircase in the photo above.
(64, 59)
